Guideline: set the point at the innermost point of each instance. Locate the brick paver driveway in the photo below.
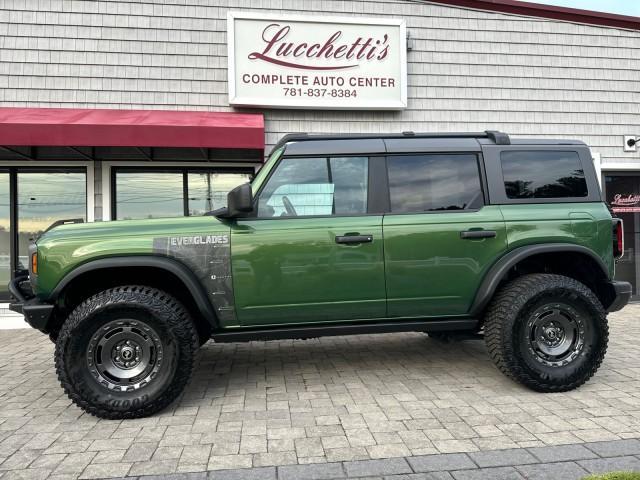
(315, 401)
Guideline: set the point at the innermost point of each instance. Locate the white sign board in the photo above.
(317, 62)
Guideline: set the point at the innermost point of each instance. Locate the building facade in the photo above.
(532, 71)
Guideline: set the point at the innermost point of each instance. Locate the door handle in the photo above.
(354, 238)
(473, 234)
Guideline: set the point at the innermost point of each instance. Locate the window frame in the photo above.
(481, 176)
(375, 206)
(183, 170)
(497, 191)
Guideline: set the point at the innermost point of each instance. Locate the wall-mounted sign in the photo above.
(626, 203)
(316, 62)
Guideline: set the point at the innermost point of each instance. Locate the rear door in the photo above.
(439, 237)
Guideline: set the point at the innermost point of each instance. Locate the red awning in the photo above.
(130, 128)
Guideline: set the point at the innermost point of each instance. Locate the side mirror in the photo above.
(239, 202)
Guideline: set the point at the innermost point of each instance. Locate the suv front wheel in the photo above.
(548, 332)
(126, 352)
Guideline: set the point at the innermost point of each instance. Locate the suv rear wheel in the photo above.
(548, 332)
(126, 352)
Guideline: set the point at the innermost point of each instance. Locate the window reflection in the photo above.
(160, 194)
(208, 191)
(5, 233)
(149, 195)
(543, 174)
(316, 186)
(44, 198)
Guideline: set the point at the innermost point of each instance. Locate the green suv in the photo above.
(467, 234)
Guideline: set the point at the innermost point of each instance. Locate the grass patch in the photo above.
(615, 476)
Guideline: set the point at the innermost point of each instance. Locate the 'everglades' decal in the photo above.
(209, 257)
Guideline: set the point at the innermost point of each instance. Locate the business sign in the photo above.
(316, 62)
(626, 203)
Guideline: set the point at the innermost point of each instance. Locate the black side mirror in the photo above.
(239, 202)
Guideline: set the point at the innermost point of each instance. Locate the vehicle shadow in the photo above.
(384, 364)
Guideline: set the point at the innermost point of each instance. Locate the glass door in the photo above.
(622, 192)
(44, 198)
(30, 201)
(5, 233)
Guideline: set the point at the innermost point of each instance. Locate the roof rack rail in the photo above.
(499, 138)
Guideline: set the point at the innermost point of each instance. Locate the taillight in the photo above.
(618, 238)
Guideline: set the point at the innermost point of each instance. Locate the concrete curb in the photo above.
(569, 462)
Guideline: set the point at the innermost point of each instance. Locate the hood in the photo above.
(145, 227)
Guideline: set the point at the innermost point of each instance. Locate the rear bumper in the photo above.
(621, 292)
(36, 313)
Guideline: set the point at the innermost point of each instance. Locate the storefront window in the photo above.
(44, 198)
(148, 195)
(40, 198)
(172, 193)
(208, 190)
(5, 233)
(623, 194)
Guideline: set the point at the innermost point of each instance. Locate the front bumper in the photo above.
(36, 313)
(621, 293)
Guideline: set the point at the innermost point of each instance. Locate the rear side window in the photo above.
(427, 183)
(542, 174)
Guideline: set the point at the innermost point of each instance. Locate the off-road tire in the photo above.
(508, 332)
(148, 310)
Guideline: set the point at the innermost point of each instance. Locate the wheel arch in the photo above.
(113, 268)
(501, 270)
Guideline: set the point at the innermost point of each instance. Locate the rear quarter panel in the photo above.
(585, 223)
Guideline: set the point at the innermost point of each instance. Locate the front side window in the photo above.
(316, 186)
(542, 174)
(428, 183)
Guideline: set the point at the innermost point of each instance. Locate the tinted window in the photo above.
(543, 174)
(423, 183)
(316, 186)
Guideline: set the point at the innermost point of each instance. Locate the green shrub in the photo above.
(615, 476)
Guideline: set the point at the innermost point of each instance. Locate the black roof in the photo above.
(312, 144)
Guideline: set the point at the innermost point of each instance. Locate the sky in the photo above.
(624, 7)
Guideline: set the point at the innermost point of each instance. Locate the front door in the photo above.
(312, 253)
(440, 238)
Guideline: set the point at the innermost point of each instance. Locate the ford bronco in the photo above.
(472, 233)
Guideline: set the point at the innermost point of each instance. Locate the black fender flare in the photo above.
(170, 265)
(499, 270)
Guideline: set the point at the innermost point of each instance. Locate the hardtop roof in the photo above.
(404, 142)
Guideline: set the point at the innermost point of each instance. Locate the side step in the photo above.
(332, 329)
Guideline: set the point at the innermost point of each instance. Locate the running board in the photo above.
(326, 330)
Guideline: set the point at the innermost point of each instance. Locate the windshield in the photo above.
(266, 168)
